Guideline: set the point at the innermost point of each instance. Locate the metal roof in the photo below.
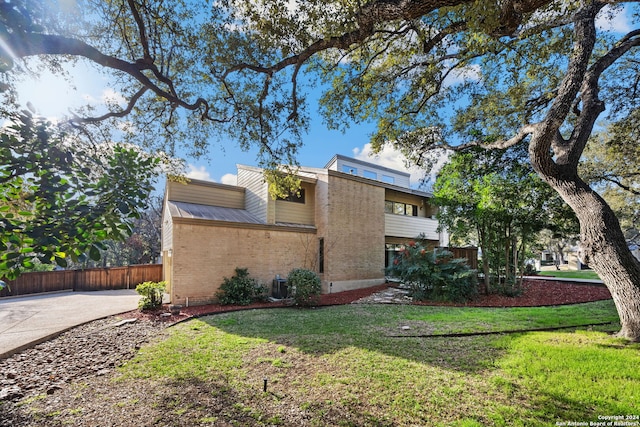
(215, 213)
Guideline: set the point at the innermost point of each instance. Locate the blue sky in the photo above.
(52, 96)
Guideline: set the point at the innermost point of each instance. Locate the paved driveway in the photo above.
(28, 320)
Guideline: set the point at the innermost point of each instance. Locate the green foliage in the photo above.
(152, 293)
(509, 288)
(305, 286)
(434, 274)
(530, 270)
(610, 164)
(282, 183)
(495, 200)
(60, 198)
(240, 289)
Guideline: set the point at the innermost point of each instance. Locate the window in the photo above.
(349, 169)
(388, 179)
(388, 206)
(370, 174)
(321, 255)
(398, 208)
(296, 197)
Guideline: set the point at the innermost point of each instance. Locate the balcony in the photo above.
(410, 226)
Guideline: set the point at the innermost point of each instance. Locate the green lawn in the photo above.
(386, 366)
(583, 274)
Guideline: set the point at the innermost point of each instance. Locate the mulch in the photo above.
(535, 293)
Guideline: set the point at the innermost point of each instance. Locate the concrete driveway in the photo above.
(29, 320)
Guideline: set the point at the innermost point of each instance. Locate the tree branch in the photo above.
(592, 106)
(112, 114)
(47, 44)
(547, 133)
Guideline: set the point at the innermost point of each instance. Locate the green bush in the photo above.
(152, 293)
(530, 270)
(305, 286)
(241, 289)
(511, 287)
(434, 274)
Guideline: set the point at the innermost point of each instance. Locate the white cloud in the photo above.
(615, 20)
(198, 172)
(391, 158)
(229, 179)
(462, 75)
(110, 96)
(201, 173)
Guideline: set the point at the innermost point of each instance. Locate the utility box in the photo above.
(279, 289)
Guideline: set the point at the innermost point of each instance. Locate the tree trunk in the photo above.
(605, 249)
(507, 251)
(485, 258)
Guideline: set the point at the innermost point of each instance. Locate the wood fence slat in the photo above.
(470, 253)
(90, 279)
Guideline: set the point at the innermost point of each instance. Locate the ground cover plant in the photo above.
(386, 366)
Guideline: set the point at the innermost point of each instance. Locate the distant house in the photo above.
(346, 224)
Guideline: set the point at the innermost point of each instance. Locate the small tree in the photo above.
(152, 293)
(305, 286)
(434, 274)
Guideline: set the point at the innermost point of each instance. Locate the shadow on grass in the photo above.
(569, 396)
(333, 329)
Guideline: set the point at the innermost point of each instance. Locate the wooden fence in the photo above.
(470, 253)
(90, 279)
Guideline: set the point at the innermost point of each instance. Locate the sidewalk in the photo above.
(29, 320)
(567, 279)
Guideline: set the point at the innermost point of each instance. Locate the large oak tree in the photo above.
(434, 74)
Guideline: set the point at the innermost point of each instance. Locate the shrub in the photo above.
(511, 287)
(152, 293)
(305, 287)
(530, 270)
(241, 289)
(434, 274)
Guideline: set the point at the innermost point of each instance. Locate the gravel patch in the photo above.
(89, 351)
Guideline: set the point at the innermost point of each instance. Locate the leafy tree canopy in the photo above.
(610, 164)
(495, 200)
(59, 198)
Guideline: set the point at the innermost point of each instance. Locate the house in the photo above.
(346, 223)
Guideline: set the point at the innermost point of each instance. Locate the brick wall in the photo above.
(354, 234)
(203, 255)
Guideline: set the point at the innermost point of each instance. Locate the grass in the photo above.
(583, 274)
(357, 365)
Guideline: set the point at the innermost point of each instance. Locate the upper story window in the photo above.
(369, 174)
(296, 197)
(349, 169)
(388, 179)
(398, 208)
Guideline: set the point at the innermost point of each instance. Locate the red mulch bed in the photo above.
(536, 293)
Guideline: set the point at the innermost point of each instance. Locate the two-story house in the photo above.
(345, 223)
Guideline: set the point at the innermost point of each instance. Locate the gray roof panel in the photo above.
(214, 213)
